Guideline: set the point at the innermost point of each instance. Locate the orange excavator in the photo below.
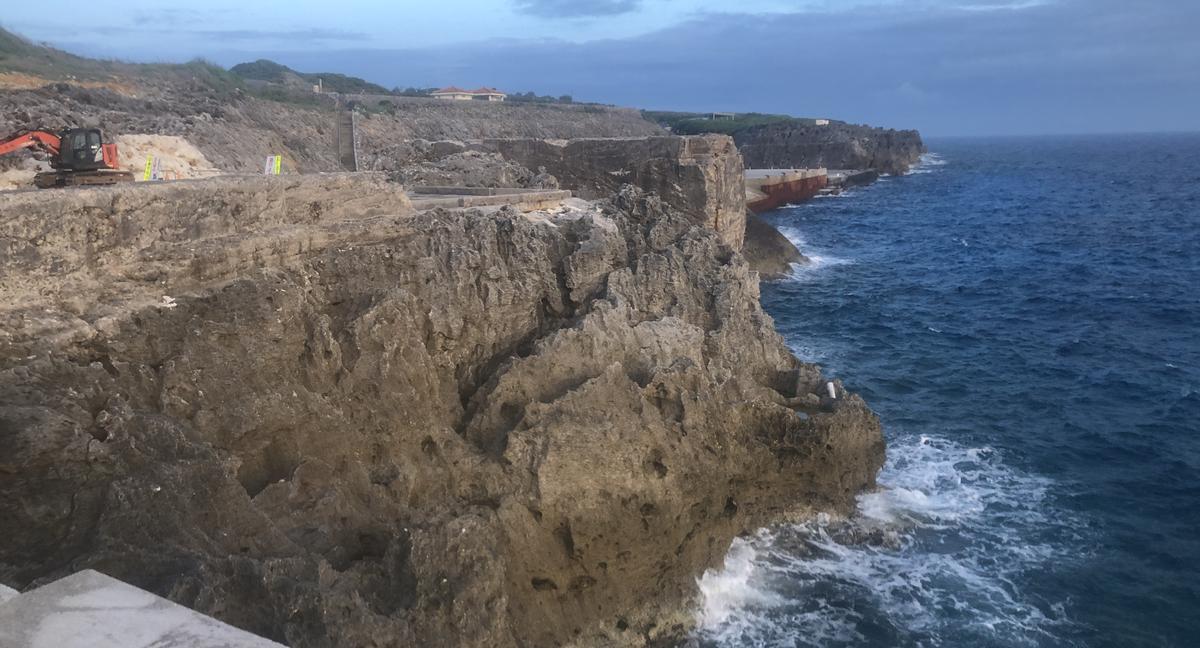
(78, 156)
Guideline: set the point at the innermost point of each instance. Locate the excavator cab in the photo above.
(82, 150)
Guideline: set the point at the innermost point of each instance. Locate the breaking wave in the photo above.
(940, 550)
(817, 259)
(928, 163)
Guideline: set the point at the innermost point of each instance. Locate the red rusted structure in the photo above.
(771, 190)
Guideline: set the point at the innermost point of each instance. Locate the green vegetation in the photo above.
(262, 70)
(294, 97)
(413, 92)
(530, 97)
(11, 44)
(22, 56)
(684, 123)
(222, 81)
(333, 82)
(272, 72)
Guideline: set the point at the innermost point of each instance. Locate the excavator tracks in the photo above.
(52, 179)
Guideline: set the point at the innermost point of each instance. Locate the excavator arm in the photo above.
(48, 142)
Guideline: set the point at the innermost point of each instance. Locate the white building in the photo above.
(479, 94)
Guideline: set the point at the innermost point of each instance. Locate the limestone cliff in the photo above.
(700, 176)
(306, 409)
(834, 146)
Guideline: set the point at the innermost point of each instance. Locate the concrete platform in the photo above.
(91, 610)
(768, 189)
(782, 175)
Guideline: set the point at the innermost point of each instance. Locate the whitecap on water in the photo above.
(816, 259)
(935, 556)
(928, 163)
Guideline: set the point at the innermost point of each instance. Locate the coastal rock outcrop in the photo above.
(767, 250)
(330, 420)
(834, 146)
(701, 176)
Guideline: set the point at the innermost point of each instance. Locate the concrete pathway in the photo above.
(91, 610)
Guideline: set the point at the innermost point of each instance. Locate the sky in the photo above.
(946, 67)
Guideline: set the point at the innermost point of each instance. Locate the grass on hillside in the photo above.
(263, 79)
(25, 57)
(270, 71)
(685, 123)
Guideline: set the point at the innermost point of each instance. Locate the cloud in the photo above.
(261, 37)
(171, 16)
(1063, 66)
(292, 35)
(576, 8)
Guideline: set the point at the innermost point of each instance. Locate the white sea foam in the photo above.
(935, 556)
(928, 163)
(817, 259)
(735, 588)
(809, 353)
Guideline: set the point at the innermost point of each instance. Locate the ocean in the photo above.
(1024, 316)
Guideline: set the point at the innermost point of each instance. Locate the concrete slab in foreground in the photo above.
(91, 610)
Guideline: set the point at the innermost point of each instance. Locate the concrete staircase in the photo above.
(347, 146)
(91, 610)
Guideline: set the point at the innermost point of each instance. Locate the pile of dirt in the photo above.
(19, 173)
(176, 157)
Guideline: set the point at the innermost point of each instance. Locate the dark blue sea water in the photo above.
(1024, 315)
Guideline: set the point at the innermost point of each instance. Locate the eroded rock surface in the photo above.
(701, 176)
(767, 250)
(366, 426)
(834, 146)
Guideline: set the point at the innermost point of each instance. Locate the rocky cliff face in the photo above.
(309, 411)
(767, 251)
(700, 176)
(394, 119)
(835, 146)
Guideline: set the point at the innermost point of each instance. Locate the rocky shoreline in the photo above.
(351, 423)
(333, 410)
